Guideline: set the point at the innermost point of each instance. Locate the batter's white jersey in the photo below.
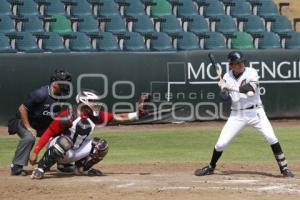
(240, 100)
(245, 110)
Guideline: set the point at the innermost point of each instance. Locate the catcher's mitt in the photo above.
(141, 104)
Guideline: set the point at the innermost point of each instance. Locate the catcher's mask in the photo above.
(91, 99)
(61, 76)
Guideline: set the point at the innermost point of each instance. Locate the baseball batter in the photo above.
(240, 84)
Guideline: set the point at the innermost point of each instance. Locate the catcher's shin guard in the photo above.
(98, 152)
(55, 152)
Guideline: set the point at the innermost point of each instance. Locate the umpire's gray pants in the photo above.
(24, 147)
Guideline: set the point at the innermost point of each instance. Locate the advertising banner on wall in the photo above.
(183, 84)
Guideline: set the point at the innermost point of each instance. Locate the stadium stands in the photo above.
(107, 8)
(241, 40)
(253, 24)
(214, 40)
(187, 41)
(32, 23)
(160, 8)
(269, 40)
(87, 24)
(53, 42)
(7, 24)
(184, 8)
(134, 42)
(53, 7)
(28, 7)
(142, 24)
(107, 42)
(210, 24)
(225, 25)
(115, 24)
(80, 8)
(134, 8)
(5, 8)
(60, 24)
(26, 42)
(293, 41)
(4, 44)
(197, 24)
(160, 42)
(281, 25)
(169, 24)
(240, 9)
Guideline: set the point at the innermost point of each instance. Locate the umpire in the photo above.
(34, 116)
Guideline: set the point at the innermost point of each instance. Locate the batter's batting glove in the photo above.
(141, 104)
(226, 87)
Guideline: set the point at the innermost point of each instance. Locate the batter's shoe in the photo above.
(17, 170)
(207, 170)
(287, 173)
(66, 168)
(38, 173)
(90, 172)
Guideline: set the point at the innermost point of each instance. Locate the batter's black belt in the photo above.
(250, 107)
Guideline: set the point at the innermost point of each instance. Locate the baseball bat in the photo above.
(215, 65)
(218, 69)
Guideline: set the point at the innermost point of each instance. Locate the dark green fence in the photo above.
(183, 82)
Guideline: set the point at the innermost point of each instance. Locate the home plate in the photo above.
(240, 181)
(126, 185)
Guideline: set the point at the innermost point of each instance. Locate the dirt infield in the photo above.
(163, 181)
(158, 181)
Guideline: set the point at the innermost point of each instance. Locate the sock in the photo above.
(279, 156)
(215, 157)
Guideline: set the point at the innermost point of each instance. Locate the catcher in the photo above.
(70, 142)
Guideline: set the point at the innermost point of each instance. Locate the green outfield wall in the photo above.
(183, 84)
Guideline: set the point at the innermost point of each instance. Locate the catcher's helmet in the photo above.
(91, 99)
(236, 57)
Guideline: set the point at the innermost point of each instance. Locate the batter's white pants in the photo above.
(75, 154)
(239, 119)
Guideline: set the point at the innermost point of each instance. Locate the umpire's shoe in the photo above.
(287, 173)
(38, 173)
(17, 170)
(207, 170)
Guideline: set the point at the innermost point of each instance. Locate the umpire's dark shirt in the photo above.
(38, 104)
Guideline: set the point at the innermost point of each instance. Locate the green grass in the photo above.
(190, 145)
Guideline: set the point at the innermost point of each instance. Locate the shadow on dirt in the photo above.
(129, 173)
(233, 172)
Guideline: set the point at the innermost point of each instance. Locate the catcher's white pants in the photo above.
(239, 119)
(75, 154)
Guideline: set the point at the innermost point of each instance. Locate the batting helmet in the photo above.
(91, 99)
(236, 57)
